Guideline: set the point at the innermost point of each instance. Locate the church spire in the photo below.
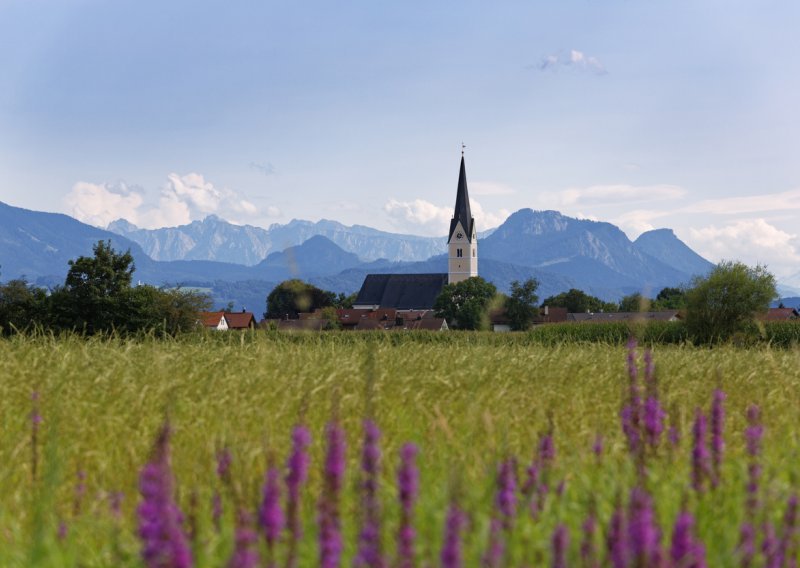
(462, 211)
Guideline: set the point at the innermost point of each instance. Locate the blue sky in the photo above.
(648, 114)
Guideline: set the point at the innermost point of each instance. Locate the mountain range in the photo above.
(560, 251)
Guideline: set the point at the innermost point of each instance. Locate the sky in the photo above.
(644, 113)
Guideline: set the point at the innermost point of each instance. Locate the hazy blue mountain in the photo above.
(663, 245)
(791, 302)
(592, 253)
(316, 256)
(216, 239)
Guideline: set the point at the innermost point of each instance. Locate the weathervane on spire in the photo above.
(462, 148)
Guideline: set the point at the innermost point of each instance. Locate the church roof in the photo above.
(401, 291)
(462, 211)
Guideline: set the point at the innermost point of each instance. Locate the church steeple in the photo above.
(462, 241)
(462, 211)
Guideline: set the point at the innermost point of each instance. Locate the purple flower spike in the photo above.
(560, 546)
(644, 534)
(653, 420)
(787, 548)
(701, 468)
(330, 534)
(547, 449)
(245, 553)
(408, 489)
(588, 549)
(717, 435)
(297, 467)
(597, 446)
(496, 549)
(506, 497)
(753, 435)
(686, 550)
(270, 515)
(617, 540)
(224, 462)
(451, 550)
(747, 545)
(369, 552)
(769, 547)
(164, 543)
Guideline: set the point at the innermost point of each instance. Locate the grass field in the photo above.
(467, 404)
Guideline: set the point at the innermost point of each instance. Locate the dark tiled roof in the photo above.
(462, 211)
(668, 315)
(401, 291)
(240, 320)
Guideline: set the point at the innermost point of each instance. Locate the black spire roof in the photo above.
(462, 211)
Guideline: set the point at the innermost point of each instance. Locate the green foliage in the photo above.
(345, 301)
(577, 301)
(291, 297)
(670, 299)
(22, 306)
(465, 304)
(723, 303)
(634, 303)
(522, 305)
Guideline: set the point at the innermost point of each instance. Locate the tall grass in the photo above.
(467, 402)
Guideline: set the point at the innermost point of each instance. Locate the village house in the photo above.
(224, 321)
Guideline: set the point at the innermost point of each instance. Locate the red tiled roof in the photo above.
(240, 320)
(211, 319)
(779, 314)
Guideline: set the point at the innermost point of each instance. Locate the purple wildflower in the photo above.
(753, 435)
(369, 552)
(588, 549)
(617, 539)
(787, 546)
(506, 497)
(700, 458)
(224, 461)
(330, 534)
(769, 547)
(163, 541)
(747, 545)
(63, 531)
(643, 530)
(547, 448)
(597, 446)
(408, 488)
(496, 549)
(295, 478)
(686, 550)
(80, 492)
(560, 542)
(270, 515)
(245, 552)
(717, 435)
(451, 549)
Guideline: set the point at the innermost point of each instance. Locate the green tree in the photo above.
(670, 299)
(635, 302)
(577, 301)
(22, 306)
(465, 304)
(522, 305)
(726, 300)
(292, 297)
(345, 301)
(95, 296)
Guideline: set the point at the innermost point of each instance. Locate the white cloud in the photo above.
(428, 218)
(99, 204)
(752, 241)
(182, 199)
(572, 59)
(748, 204)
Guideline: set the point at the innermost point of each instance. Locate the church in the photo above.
(419, 291)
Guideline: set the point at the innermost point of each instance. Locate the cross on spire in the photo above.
(462, 148)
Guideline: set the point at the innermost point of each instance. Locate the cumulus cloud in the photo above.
(421, 216)
(752, 241)
(182, 199)
(572, 59)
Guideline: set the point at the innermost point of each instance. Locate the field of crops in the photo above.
(521, 455)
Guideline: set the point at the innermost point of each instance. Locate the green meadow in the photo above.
(467, 402)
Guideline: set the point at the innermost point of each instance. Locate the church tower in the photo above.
(462, 242)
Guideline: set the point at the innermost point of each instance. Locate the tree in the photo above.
(291, 297)
(21, 306)
(726, 300)
(522, 305)
(634, 303)
(96, 291)
(670, 299)
(577, 301)
(465, 304)
(345, 301)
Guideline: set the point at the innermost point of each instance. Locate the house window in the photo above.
(473, 253)
(459, 253)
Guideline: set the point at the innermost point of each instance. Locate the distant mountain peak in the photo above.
(121, 226)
